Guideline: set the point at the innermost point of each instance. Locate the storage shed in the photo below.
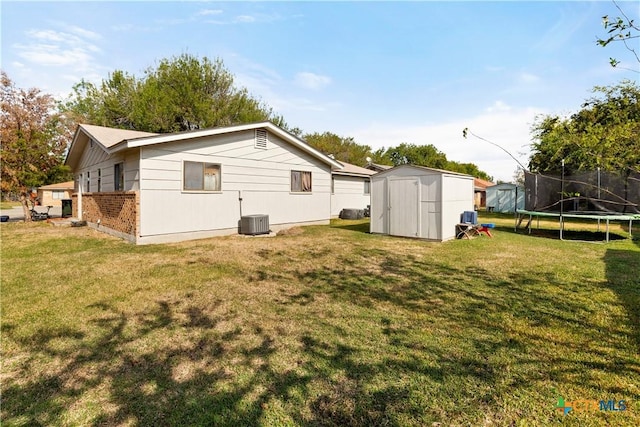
(415, 201)
(505, 198)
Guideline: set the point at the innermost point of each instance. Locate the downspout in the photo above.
(80, 197)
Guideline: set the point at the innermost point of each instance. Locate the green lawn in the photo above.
(333, 326)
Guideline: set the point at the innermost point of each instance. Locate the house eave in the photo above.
(176, 137)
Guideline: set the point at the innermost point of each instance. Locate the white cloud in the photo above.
(84, 33)
(528, 78)
(245, 18)
(506, 126)
(56, 48)
(51, 55)
(64, 51)
(311, 81)
(209, 12)
(498, 106)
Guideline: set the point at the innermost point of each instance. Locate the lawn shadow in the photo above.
(510, 317)
(352, 225)
(569, 235)
(166, 384)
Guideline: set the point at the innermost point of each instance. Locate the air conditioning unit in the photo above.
(254, 224)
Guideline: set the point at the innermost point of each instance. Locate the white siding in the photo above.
(348, 192)
(260, 177)
(457, 197)
(431, 218)
(95, 158)
(379, 206)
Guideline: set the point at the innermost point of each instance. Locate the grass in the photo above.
(8, 205)
(333, 326)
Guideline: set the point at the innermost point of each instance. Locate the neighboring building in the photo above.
(154, 188)
(415, 201)
(377, 168)
(480, 192)
(350, 188)
(53, 194)
(503, 197)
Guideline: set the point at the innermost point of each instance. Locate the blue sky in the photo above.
(381, 72)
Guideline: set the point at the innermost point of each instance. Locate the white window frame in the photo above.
(367, 187)
(298, 189)
(202, 188)
(118, 176)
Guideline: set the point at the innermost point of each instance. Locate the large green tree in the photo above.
(342, 148)
(426, 155)
(34, 140)
(604, 133)
(180, 93)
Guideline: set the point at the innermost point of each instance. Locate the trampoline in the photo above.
(521, 214)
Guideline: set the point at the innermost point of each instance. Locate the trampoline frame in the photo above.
(520, 213)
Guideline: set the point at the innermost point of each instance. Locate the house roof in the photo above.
(423, 168)
(481, 184)
(353, 170)
(376, 167)
(114, 140)
(59, 186)
(109, 137)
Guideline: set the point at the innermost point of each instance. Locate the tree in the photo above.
(342, 148)
(605, 133)
(34, 140)
(428, 156)
(623, 30)
(181, 93)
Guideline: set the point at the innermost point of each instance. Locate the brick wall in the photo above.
(115, 210)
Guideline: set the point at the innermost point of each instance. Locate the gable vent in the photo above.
(261, 139)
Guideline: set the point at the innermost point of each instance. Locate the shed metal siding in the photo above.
(442, 198)
(502, 197)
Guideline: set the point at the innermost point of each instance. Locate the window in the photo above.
(88, 182)
(333, 185)
(261, 139)
(199, 176)
(118, 177)
(57, 194)
(367, 187)
(300, 182)
(99, 180)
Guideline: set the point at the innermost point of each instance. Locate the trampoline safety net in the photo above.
(590, 192)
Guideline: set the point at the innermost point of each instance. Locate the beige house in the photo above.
(52, 195)
(155, 188)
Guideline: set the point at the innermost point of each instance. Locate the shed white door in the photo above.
(403, 207)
